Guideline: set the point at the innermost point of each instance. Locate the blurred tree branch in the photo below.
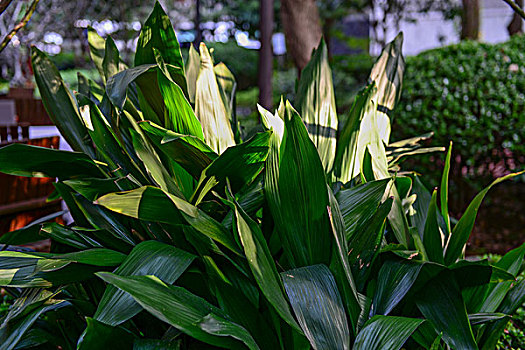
(4, 4)
(516, 8)
(20, 24)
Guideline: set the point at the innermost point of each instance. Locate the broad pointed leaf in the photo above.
(209, 106)
(386, 333)
(147, 258)
(318, 307)
(316, 104)
(182, 309)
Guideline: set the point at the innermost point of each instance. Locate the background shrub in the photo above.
(473, 94)
(241, 61)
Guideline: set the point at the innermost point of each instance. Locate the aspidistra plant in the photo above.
(184, 236)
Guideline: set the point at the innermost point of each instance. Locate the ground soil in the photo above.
(500, 225)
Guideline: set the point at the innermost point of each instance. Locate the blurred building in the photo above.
(431, 30)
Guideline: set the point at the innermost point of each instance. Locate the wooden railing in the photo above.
(23, 199)
(30, 111)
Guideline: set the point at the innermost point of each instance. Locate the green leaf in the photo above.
(305, 227)
(346, 160)
(440, 301)
(145, 203)
(488, 298)
(97, 335)
(180, 117)
(210, 108)
(147, 258)
(157, 32)
(387, 74)
(30, 232)
(363, 246)
(386, 333)
(316, 302)
(262, 264)
(182, 309)
(60, 104)
(443, 195)
(472, 273)
(117, 85)
(33, 161)
(358, 204)
(394, 281)
(111, 61)
(25, 270)
(187, 151)
(421, 205)
(432, 237)
(316, 104)
(97, 46)
(193, 66)
(153, 165)
(227, 86)
(156, 344)
(92, 188)
(513, 300)
(485, 317)
(152, 204)
(94, 257)
(107, 143)
(461, 232)
(68, 236)
(340, 265)
(102, 219)
(12, 332)
(240, 164)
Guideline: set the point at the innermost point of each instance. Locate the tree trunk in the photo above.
(516, 24)
(197, 24)
(302, 29)
(266, 54)
(470, 20)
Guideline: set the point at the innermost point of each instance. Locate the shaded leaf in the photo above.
(386, 333)
(440, 301)
(97, 335)
(262, 264)
(316, 302)
(303, 196)
(60, 104)
(147, 258)
(33, 161)
(182, 309)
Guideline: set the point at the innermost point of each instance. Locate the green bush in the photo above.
(474, 94)
(186, 236)
(68, 60)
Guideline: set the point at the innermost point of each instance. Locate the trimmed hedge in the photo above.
(473, 94)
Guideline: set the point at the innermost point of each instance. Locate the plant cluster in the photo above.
(187, 237)
(472, 93)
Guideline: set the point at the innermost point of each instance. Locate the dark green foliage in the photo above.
(471, 93)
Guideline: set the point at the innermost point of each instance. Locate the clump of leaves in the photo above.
(185, 236)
